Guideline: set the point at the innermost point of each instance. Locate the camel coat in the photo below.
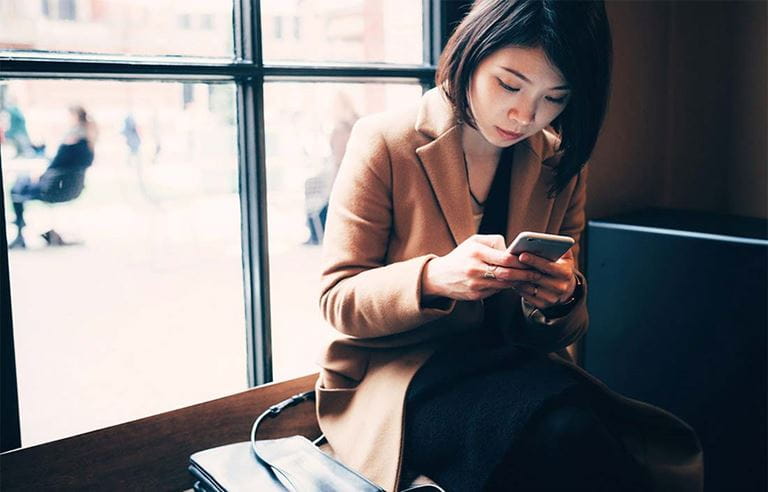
(401, 197)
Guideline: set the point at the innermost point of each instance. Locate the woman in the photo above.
(451, 359)
(63, 180)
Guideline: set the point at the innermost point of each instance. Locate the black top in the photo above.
(469, 403)
(72, 157)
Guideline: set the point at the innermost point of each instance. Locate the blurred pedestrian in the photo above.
(63, 180)
(131, 133)
(317, 188)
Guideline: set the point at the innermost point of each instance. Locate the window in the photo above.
(185, 266)
(300, 173)
(363, 31)
(202, 29)
(152, 275)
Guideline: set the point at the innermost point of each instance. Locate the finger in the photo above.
(510, 260)
(517, 275)
(515, 263)
(493, 256)
(484, 276)
(544, 296)
(544, 265)
(556, 286)
(498, 277)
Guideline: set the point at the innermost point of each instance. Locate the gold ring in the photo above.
(489, 272)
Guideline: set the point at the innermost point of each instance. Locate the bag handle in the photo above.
(273, 412)
(287, 458)
(297, 399)
(278, 408)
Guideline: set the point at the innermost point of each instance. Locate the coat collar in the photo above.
(443, 162)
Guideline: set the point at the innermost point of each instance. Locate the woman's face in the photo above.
(73, 118)
(514, 93)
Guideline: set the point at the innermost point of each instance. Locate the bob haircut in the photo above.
(575, 37)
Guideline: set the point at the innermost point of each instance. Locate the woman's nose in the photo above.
(523, 114)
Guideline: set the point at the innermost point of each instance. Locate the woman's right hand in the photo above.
(463, 275)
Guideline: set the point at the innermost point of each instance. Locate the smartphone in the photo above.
(549, 246)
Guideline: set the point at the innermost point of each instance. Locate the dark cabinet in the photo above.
(678, 318)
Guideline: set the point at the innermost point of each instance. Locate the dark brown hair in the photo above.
(80, 112)
(576, 38)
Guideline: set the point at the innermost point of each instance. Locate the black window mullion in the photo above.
(10, 429)
(254, 230)
(247, 31)
(257, 54)
(434, 25)
(356, 71)
(253, 197)
(158, 69)
(121, 68)
(241, 29)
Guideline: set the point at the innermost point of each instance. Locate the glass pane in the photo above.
(307, 129)
(201, 28)
(134, 304)
(386, 31)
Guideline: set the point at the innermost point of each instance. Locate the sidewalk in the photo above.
(147, 314)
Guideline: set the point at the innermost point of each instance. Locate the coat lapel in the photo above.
(443, 162)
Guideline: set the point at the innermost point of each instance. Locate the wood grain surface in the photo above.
(153, 453)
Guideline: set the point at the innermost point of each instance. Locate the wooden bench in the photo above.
(153, 453)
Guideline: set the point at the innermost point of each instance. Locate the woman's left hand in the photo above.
(557, 282)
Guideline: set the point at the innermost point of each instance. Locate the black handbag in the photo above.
(293, 464)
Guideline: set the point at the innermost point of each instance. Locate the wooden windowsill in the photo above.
(153, 453)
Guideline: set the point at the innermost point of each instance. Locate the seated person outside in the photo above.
(63, 180)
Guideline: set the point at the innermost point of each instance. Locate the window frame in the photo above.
(249, 73)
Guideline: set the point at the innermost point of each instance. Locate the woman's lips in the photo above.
(508, 135)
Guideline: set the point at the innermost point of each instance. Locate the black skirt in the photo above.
(467, 406)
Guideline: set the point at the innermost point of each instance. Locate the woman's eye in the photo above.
(557, 100)
(507, 88)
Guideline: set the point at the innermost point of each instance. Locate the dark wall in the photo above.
(686, 126)
(748, 162)
(627, 168)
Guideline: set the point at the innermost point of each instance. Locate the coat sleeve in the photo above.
(361, 295)
(553, 334)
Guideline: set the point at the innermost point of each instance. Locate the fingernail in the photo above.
(524, 257)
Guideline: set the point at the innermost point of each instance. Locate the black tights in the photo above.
(568, 447)
(18, 210)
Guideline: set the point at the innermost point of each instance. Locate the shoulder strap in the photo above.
(278, 408)
(299, 464)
